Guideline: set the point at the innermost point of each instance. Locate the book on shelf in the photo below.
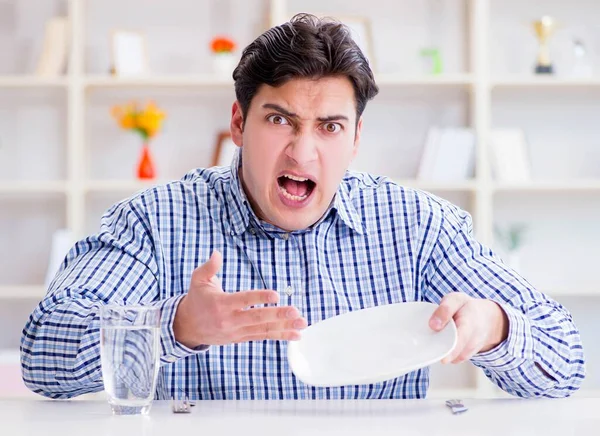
(448, 154)
(55, 48)
(508, 153)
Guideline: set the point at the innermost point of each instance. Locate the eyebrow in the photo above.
(287, 113)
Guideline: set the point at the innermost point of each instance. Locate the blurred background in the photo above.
(491, 104)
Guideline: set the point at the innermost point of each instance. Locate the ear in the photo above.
(357, 137)
(237, 124)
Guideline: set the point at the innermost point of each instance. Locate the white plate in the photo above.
(369, 346)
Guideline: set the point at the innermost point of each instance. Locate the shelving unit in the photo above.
(472, 92)
(31, 82)
(22, 292)
(384, 80)
(32, 187)
(198, 81)
(550, 186)
(541, 82)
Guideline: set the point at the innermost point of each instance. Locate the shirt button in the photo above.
(289, 291)
(171, 359)
(285, 236)
(252, 231)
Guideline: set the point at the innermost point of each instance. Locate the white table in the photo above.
(506, 417)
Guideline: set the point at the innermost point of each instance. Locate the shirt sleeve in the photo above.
(543, 354)
(60, 344)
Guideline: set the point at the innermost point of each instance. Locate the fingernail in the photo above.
(292, 313)
(274, 298)
(436, 323)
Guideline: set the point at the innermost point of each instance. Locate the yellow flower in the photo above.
(150, 119)
(146, 122)
(127, 121)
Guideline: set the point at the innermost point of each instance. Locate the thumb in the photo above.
(206, 272)
(450, 304)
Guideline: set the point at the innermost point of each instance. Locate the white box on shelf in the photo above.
(55, 48)
(508, 152)
(448, 154)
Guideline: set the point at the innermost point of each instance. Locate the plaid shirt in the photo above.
(378, 243)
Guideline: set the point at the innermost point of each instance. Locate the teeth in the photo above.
(292, 197)
(298, 179)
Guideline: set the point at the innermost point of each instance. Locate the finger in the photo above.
(450, 304)
(208, 270)
(244, 299)
(263, 315)
(270, 327)
(468, 352)
(289, 335)
(464, 334)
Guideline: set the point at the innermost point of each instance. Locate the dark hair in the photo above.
(304, 47)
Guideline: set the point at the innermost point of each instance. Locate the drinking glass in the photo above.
(130, 353)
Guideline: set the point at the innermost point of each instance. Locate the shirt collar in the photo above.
(241, 213)
(342, 202)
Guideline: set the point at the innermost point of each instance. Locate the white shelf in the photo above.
(20, 292)
(424, 185)
(33, 187)
(32, 82)
(387, 79)
(535, 82)
(211, 81)
(550, 186)
(191, 81)
(121, 186)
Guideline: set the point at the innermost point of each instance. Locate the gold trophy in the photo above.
(544, 28)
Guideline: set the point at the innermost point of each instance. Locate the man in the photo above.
(288, 224)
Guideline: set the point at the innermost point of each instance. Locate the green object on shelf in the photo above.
(436, 59)
(512, 237)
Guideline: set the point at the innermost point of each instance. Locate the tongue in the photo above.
(294, 187)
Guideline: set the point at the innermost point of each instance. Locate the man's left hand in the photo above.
(481, 324)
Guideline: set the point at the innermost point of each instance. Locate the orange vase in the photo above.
(146, 164)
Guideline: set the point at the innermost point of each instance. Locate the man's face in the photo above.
(297, 142)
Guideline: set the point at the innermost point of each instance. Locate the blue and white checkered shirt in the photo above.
(379, 243)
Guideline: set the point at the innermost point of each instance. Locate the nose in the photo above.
(302, 149)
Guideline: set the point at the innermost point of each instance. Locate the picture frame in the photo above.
(129, 55)
(224, 149)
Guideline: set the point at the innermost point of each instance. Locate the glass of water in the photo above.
(130, 353)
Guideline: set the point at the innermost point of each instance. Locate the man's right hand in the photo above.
(209, 316)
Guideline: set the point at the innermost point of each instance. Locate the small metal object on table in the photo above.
(182, 406)
(456, 406)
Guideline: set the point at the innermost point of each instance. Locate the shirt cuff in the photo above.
(516, 353)
(171, 350)
(517, 347)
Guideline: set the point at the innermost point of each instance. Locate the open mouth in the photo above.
(295, 188)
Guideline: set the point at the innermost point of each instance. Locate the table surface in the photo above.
(572, 416)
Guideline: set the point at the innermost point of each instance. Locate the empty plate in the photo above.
(370, 345)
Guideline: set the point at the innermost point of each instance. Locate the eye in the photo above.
(277, 119)
(332, 127)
